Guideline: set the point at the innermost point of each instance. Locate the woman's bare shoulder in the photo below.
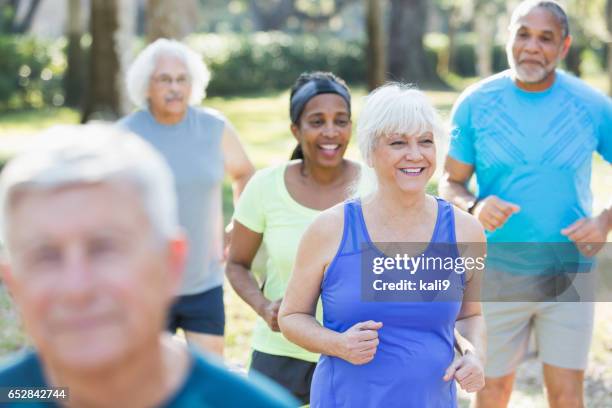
(330, 221)
(467, 227)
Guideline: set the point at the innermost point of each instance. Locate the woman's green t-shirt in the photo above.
(266, 207)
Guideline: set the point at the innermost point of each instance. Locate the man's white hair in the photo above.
(139, 73)
(552, 6)
(395, 108)
(90, 154)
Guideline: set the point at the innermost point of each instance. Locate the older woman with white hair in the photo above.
(389, 333)
(166, 81)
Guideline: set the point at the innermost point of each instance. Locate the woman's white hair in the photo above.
(395, 108)
(90, 154)
(139, 73)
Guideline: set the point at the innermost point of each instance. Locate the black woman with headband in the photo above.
(277, 206)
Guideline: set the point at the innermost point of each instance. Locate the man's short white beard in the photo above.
(532, 77)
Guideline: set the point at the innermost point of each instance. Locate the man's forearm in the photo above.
(472, 332)
(457, 193)
(607, 218)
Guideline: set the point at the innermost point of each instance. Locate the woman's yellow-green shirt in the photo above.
(266, 207)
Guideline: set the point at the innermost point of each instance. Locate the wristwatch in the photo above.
(471, 207)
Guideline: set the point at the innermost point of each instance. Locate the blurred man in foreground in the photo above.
(94, 259)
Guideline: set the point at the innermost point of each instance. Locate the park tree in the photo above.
(103, 94)
(609, 43)
(577, 12)
(112, 26)
(485, 27)
(9, 21)
(406, 51)
(269, 15)
(171, 19)
(452, 10)
(589, 30)
(376, 44)
(74, 79)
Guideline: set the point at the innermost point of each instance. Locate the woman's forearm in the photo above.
(304, 330)
(246, 286)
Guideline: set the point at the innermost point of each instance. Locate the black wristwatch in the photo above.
(470, 209)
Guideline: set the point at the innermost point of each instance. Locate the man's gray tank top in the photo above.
(192, 148)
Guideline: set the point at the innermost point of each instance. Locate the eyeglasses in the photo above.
(166, 80)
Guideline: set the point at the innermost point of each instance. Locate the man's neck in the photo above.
(168, 119)
(144, 379)
(541, 86)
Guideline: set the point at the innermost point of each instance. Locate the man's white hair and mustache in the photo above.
(141, 70)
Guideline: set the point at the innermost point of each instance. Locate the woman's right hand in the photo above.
(270, 314)
(358, 344)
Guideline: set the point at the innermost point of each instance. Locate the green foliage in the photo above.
(464, 60)
(7, 15)
(273, 60)
(30, 72)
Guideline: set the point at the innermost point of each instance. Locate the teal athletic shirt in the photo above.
(534, 149)
(208, 385)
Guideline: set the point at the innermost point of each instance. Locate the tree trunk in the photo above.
(104, 66)
(376, 44)
(163, 20)
(272, 16)
(124, 38)
(141, 19)
(74, 79)
(609, 24)
(447, 63)
(484, 26)
(408, 61)
(574, 59)
(24, 25)
(609, 51)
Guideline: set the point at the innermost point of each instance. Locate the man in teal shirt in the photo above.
(95, 256)
(528, 134)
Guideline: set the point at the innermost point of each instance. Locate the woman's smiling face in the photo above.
(324, 130)
(405, 161)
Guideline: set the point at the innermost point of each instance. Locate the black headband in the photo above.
(312, 89)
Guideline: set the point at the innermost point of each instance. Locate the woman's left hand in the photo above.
(468, 371)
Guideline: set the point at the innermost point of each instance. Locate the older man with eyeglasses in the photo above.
(166, 81)
(93, 255)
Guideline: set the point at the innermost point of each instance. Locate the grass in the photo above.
(24, 122)
(11, 335)
(262, 121)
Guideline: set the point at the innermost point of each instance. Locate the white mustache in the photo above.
(174, 97)
(532, 61)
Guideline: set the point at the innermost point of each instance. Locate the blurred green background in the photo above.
(63, 61)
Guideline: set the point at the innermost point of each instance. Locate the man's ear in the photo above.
(177, 253)
(6, 274)
(567, 42)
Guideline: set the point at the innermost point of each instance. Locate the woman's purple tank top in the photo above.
(416, 340)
